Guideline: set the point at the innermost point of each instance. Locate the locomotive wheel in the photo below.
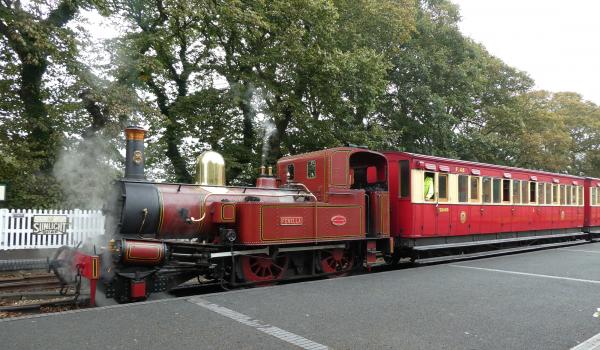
(262, 269)
(337, 261)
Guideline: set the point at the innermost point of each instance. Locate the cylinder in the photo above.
(138, 252)
(134, 156)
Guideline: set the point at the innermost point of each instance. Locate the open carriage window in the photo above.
(506, 191)
(290, 172)
(311, 169)
(532, 192)
(443, 187)
(429, 186)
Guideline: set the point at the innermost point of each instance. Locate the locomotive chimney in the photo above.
(134, 154)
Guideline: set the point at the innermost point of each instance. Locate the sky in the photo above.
(555, 41)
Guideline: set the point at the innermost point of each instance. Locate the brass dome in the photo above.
(210, 169)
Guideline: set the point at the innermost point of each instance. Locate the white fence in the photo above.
(16, 231)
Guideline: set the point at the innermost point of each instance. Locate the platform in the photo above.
(538, 300)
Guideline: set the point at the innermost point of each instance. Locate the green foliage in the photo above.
(220, 74)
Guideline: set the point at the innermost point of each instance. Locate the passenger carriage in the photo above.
(477, 204)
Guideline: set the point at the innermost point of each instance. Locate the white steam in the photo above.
(85, 174)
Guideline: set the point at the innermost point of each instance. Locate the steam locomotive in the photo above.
(326, 213)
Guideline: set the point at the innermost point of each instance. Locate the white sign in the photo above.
(2, 193)
(50, 224)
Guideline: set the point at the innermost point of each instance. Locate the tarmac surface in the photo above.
(538, 300)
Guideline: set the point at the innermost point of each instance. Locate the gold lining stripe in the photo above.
(223, 206)
(359, 207)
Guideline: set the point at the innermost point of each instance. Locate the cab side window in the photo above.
(311, 169)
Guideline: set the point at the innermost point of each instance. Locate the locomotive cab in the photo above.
(335, 174)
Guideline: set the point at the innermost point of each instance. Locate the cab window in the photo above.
(311, 169)
(290, 172)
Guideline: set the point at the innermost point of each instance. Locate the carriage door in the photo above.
(443, 213)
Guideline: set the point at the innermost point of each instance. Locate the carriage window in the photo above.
(569, 195)
(555, 194)
(496, 186)
(474, 189)
(443, 187)
(516, 191)
(487, 190)
(463, 188)
(429, 186)
(532, 192)
(593, 195)
(506, 191)
(290, 172)
(548, 194)
(404, 179)
(541, 193)
(580, 194)
(563, 194)
(524, 194)
(574, 195)
(311, 169)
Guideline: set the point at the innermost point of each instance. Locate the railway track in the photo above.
(36, 292)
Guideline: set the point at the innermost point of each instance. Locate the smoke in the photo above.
(269, 130)
(84, 173)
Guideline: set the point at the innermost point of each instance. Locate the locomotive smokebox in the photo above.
(134, 156)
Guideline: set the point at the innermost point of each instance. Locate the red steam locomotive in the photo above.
(326, 213)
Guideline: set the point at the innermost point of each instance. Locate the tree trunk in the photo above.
(42, 138)
(173, 140)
